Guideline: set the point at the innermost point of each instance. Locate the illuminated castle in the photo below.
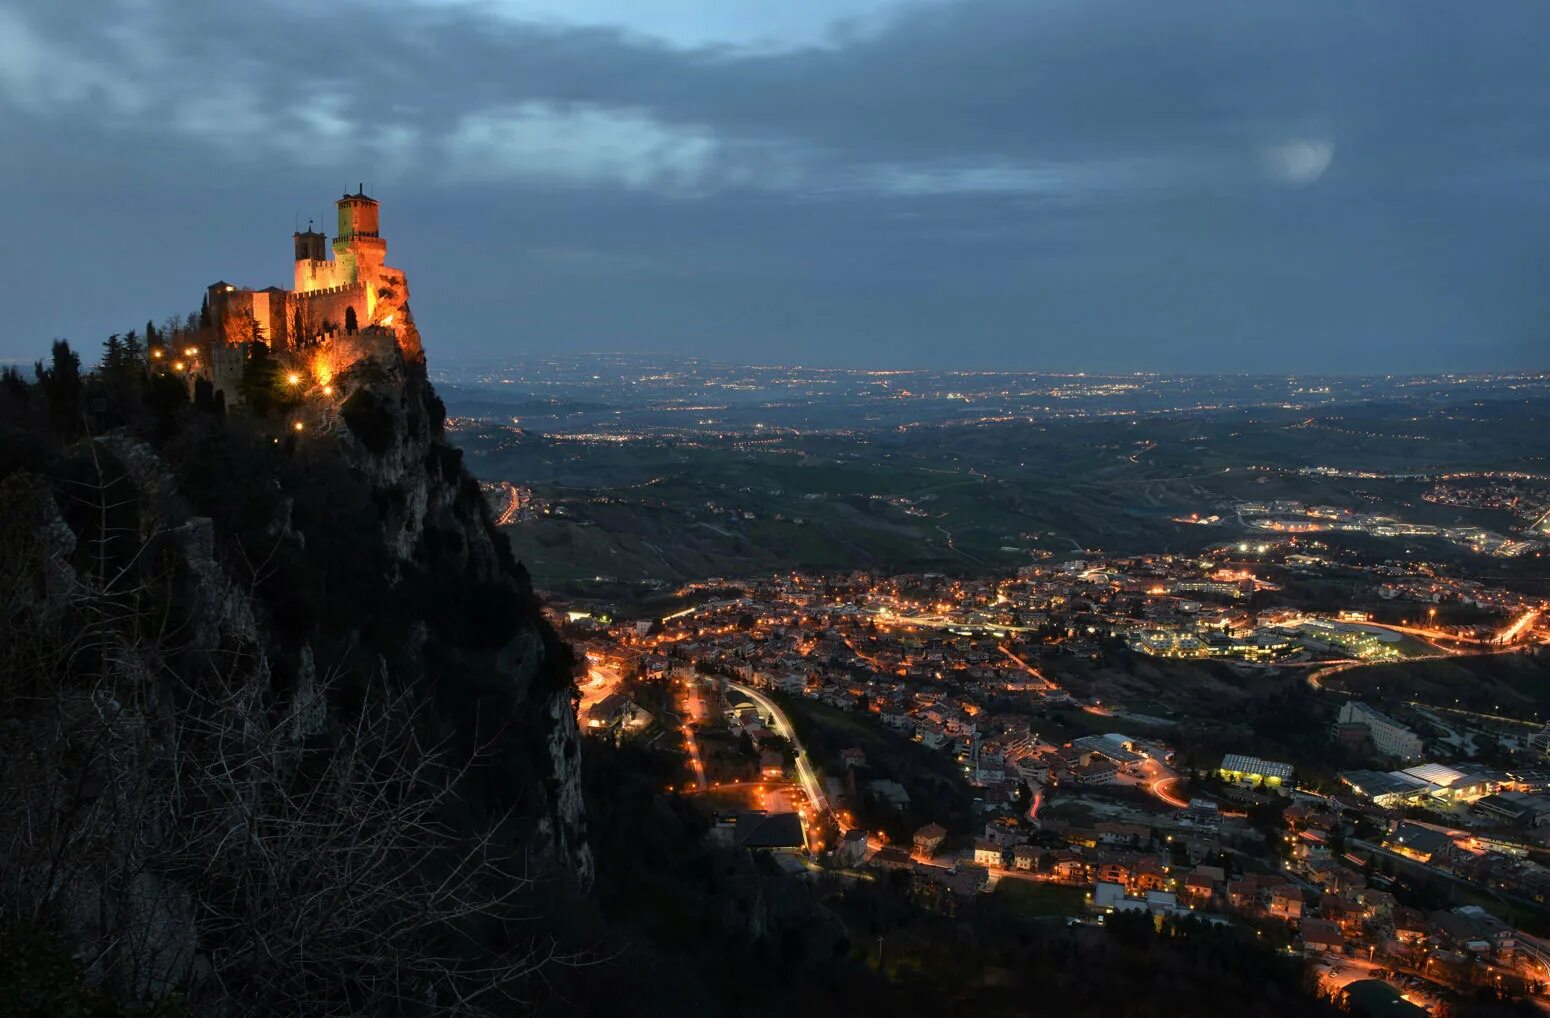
(351, 293)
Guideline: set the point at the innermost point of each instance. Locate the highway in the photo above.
(782, 725)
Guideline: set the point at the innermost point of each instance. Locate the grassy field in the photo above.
(1041, 899)
(973, 499)
(932, 778)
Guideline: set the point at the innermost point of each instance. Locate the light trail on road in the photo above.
(513, 504)
(782, 726)
(1030, 669)
(1159, 789)
(1522, 622)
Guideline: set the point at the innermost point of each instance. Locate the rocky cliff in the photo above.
(435, 521)
(286, 718)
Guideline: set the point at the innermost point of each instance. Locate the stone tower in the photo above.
(359, 249)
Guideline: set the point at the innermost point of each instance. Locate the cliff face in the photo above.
(435, 521)
(286, 704)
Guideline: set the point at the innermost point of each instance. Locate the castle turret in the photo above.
(357, 216)
(359, 249)
(310, 246)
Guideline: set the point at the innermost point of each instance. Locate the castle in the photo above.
(352, 293)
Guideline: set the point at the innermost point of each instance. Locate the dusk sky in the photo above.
(1298, 186)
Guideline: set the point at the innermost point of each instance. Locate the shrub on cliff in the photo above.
(369, 421)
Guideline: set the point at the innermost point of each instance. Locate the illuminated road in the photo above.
(1523, 622)
(782, 725)
(513, 503)
(602, 679)
(886, 618)
(1030, 669)
(1163, 789)
(692, 701)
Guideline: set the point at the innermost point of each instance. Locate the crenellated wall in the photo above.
(318, 306)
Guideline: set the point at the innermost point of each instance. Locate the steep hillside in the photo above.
(284, 720)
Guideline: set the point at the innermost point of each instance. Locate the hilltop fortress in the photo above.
(352, 299)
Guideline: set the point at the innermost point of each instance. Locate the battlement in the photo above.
(328, 290)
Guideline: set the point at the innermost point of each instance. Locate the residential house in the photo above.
(1113, 869)
(1410, 925)
(1069, 867)
(1199, 888)
(1321, 935)
(1149, 874)
(772, 766)
(988, 853)
(1286, 902)
(890, 792)
(928, 839)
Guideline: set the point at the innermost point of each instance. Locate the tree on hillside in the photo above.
(61, 385)
(205, 832)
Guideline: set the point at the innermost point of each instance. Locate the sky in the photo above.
(1101, 185)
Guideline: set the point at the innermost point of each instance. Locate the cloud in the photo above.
(580, 146)
(39, 74)
(1153, 183)
(1298, 161)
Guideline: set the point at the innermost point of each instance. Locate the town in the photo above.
(1079, 739)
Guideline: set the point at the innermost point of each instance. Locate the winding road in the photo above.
(782, 725)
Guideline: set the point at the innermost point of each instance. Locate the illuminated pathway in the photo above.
(782, 726)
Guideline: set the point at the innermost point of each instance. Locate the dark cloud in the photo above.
(1061, 183)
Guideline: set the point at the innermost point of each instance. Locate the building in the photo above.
(345, 305)
(768, 832)
(988, 853)
(1422, 844)
(616, 711)
(1424, 784)
(1286, 902)
(1517, 808)
(346, 285)
(890, 792)
(1240, 769)
(1389, 737)
(928, 839)
(1321, 935)
(852, 848)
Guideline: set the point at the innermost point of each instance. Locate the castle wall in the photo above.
(226, 363)
(329, 305)
(319, 274)
(341, 351)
